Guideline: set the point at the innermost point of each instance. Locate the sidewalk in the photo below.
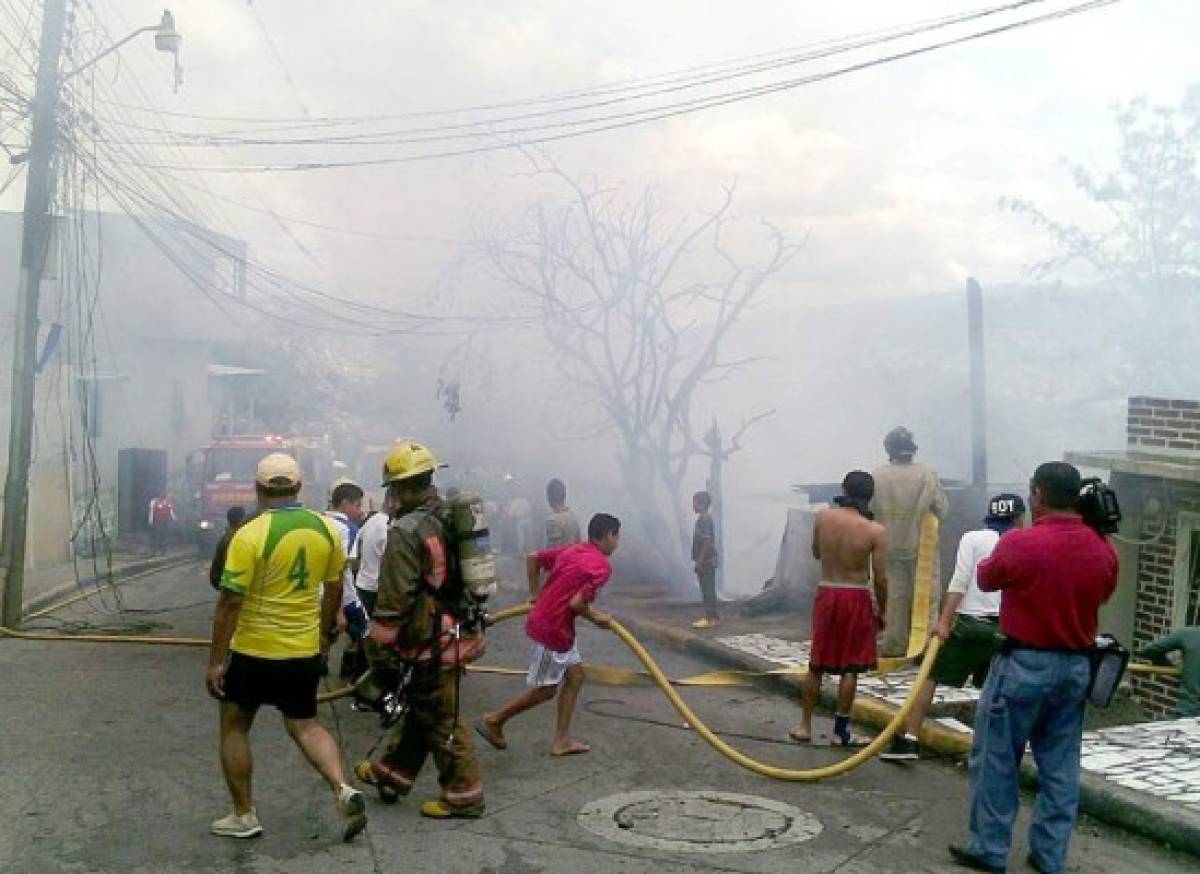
(1143, 777)
(49, 585)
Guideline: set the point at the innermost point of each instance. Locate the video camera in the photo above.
(1099, 507)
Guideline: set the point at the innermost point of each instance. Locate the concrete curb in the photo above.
(1137, 812)
(867, 711)
(131, 568)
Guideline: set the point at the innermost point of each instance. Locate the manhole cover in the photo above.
(698, 822)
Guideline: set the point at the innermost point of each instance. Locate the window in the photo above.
(233, 465)
(1185, 607)
(1193, 576)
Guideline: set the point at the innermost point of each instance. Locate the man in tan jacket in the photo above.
(905, 491)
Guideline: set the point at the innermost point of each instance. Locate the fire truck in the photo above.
(223, 477)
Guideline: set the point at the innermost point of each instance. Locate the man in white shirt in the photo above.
(969, 624)
(368, 553)
(346, 511)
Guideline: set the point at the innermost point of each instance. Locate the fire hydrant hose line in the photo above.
(737, 756)
(661, 680)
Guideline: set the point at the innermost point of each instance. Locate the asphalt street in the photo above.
(110, 765)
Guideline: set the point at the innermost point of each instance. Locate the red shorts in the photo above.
(843, 637)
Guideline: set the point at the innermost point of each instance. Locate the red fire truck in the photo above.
(224, 470)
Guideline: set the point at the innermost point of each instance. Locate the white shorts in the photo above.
(548, 667)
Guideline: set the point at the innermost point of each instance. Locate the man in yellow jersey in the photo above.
(415, 628)
(268, 635)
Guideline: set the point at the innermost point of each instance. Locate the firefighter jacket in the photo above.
(904, 493)
(409, 619)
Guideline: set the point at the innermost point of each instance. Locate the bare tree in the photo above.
(1149, 247)
(621, 307)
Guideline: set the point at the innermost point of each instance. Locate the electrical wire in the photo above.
(287, 73)
(390, 137)
(642, 116)
(274, 284)
(23, 37)
(464, 130)
(12, 176)
(181, 219)
(637, 84)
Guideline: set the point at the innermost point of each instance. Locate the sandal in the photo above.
(851, 741)
(495, 739)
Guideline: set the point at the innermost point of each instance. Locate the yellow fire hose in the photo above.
(740, 758)
(656, 675)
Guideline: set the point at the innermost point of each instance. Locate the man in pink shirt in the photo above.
(576, 574)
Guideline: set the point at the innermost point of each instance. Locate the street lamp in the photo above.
(166, 39)
(35, 234)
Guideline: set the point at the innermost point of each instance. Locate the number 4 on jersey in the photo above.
(298, 575)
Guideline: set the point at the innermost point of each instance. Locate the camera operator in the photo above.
(1054, 576)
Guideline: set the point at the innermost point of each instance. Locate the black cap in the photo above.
(1005, 507)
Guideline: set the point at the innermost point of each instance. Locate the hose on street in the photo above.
(660, 679)
(736, 756)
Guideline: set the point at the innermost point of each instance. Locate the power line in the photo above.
(632, 84)
(350, 232)
(488, 126)
(630, 119)
(181, 218)
(12, 175)
(275, 286)
(287, 73)
(21, 29)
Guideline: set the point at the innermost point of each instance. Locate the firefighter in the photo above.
(905, 490)
(417, 627)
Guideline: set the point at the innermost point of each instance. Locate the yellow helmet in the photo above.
(406, 460)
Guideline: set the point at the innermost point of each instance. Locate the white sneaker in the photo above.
(353, 808)
(238, 825)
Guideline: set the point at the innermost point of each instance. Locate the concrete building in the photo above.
(1157, 479)
(137, 344)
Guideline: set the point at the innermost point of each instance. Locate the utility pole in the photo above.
(979, 471)
(35, 240)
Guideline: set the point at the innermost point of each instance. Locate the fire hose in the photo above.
(655, 672)
(737, 756)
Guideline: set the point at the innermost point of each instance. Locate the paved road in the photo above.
(110, 766)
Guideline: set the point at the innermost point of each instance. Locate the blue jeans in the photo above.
(1035, 697)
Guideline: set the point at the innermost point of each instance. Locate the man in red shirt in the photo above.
(1054, 576)
(161, 518)
(576, 574)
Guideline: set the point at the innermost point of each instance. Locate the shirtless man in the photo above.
(851, 549)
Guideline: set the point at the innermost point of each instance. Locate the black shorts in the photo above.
(288, 684)
(967, 654)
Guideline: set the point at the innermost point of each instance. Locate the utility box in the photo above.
(141, 477)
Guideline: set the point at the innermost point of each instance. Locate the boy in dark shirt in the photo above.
(704, 554)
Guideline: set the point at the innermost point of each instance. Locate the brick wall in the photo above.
(1161, 424)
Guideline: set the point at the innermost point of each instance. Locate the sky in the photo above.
(891, 174)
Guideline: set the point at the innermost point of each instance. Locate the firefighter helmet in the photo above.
(406, 460)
